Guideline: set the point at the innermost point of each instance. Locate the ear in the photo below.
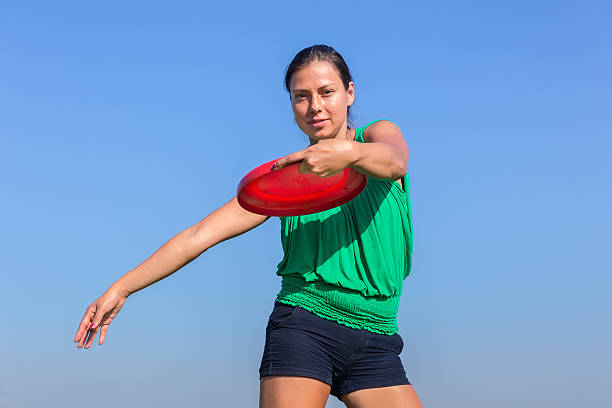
(350, 92)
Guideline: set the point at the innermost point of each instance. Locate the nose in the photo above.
(315, 104)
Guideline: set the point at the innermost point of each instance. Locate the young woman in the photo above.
(333, 329)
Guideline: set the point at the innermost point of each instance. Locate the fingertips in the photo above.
(303, 168)
(86, 339)
(92, 336)
(83, 341)
(81, 336)
(103, 331)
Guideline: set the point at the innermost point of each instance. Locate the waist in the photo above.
(377, 314)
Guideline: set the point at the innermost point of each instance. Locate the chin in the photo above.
(320, 136)
(317, 134)
(314, 134)
(323, 133)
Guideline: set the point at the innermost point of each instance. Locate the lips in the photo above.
(317, 122)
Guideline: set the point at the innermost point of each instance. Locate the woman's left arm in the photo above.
(383, 156)
(385, 153)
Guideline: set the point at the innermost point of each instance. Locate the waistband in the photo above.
(377, 314)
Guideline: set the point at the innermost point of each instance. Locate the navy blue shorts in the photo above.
(300, 343)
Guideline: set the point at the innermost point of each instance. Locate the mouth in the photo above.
(317, 122)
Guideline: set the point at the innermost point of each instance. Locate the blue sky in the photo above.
(123, 124)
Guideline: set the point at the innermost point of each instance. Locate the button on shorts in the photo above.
(300, 343)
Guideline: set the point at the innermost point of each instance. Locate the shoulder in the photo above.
(380, 129)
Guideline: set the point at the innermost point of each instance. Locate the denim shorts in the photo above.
(300, 343)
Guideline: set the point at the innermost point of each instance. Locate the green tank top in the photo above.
(348, 263)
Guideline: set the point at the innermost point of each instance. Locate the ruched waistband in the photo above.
(350, 308)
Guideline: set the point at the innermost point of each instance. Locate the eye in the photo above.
(328, 92)
(299, 96)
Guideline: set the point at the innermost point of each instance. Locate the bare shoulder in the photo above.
(382, 130)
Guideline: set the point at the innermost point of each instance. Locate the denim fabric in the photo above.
(300, 343)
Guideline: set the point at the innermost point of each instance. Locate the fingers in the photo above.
(87, 336)
(89, 326)
(287, 160)
(103, 331)
(304, 167)
(84, 326)
(307, 164)
(97, 319)
(84, 338)
(92, 334)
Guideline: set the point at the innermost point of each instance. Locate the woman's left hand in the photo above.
(325, 158)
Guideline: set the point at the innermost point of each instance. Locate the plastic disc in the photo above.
(287, 192)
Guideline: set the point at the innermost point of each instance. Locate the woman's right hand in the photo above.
(98, 317)
(226, 222)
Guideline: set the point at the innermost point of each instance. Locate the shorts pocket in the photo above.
(281, 314)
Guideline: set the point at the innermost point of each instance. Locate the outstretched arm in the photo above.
(228, 221)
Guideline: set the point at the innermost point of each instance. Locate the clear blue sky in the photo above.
(122, 124)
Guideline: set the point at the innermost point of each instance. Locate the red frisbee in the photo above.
(286, 191)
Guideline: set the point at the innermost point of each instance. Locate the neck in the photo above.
(343, 134)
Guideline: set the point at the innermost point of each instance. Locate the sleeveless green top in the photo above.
(348, 263)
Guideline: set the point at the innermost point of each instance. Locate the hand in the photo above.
(325, 158)
(101, 313)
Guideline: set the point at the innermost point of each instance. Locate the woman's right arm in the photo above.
(228, 221)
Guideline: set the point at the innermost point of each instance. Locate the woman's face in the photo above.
(319, 101)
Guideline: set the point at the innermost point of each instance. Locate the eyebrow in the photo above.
(321, 87)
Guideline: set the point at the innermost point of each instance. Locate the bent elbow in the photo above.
(399, 169)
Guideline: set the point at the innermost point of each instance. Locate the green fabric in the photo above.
(348, 263)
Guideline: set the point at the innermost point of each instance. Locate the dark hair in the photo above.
(320, 52)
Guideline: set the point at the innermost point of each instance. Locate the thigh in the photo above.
(397, 396)
(300, 344)
(376, 365)
(292, 392)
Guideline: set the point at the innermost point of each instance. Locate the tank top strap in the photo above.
(359, 131)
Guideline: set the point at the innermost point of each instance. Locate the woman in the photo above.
(333, 329)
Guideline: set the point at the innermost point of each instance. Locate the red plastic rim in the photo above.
(287, 192)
